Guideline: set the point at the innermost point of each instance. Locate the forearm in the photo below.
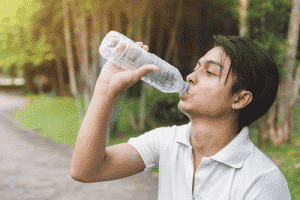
(90, 145)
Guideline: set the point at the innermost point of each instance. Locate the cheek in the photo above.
(208, 89)
(220, 100)
(210, 97)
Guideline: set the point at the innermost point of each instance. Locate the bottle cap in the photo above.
(110, 43)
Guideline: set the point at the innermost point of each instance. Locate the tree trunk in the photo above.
(280, 117)
(149, 25)
(280, 114)
(160, 36)
(143, 106)
(284, 129)
(174, 31)
(145, 87)
(95, 45)
(117, 22)
(135, 33)
(295, 96)
(60, 77)
(105, 23)
(82, 46)
(243, 19)
(286, 96)
(175, 59)
(70, 59)
(200, 37)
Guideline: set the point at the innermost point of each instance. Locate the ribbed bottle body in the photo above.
(126, 54)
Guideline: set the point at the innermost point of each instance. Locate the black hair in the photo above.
(255, 71)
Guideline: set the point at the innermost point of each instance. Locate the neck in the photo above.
(209, 137)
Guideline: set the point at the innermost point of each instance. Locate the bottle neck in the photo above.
(184, 89)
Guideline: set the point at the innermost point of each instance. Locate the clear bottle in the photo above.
(128, 55)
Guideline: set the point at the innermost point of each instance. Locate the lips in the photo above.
(183, 97)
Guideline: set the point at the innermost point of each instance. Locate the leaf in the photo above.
(88, 4)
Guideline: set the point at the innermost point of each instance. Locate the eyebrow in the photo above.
(213, 62)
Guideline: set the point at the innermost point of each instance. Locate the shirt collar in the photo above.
(233, 154)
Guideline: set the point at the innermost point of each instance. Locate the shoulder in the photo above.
(260, 162)
(262, 178)
(155, 144)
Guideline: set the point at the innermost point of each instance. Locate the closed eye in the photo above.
(208, 72)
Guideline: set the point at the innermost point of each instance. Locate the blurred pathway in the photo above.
(32, 167)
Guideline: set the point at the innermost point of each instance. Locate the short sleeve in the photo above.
(147, 145)
(271, 186)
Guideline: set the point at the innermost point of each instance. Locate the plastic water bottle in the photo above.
(126, 54)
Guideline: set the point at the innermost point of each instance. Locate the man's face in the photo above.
(208, 94)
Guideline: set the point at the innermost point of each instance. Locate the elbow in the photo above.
(81, 179)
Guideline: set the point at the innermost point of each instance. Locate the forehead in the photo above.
(217, 54)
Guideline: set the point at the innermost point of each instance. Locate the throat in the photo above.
(197, 149)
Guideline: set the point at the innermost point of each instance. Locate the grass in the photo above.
(54, 118)
(57, 119)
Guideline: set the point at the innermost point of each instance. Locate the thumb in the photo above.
(150, 68)
(145, 69)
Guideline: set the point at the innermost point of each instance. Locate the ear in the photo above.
(244, 98)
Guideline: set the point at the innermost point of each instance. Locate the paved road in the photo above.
(32, 167)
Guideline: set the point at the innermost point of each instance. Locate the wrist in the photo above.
(105, 92)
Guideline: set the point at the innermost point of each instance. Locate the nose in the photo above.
(189, 78)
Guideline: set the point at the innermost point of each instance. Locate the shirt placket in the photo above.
(190, 170)
(201, 176)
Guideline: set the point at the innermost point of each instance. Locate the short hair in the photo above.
(255, 71)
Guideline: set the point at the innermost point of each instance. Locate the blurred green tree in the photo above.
(177, 31)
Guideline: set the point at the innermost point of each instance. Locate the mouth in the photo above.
(183, 97)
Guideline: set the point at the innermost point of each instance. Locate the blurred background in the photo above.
(50, 55)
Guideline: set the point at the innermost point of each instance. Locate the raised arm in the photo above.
(91, 160)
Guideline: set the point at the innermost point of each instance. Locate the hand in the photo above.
(116, 79)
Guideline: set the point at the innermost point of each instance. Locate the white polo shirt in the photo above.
(240, 171)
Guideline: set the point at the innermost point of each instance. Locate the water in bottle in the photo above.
(126, 54)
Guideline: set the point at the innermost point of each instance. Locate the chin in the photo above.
(183, 105)
(184, 111)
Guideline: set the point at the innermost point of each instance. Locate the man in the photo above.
(211, 157)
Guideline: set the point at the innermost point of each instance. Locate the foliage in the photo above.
(160, 108)
(269, 16)
(165, 109)
(257, 7)
(36, 27)
(231, 7)
(14, 35)
(269, 20)
(276, 46)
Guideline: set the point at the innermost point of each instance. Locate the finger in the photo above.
(140, 44)
(146, 47)
(148, 68)
(143, 71)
